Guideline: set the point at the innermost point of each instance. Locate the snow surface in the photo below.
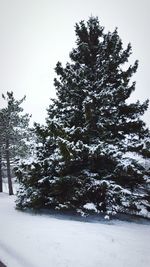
(33, 240)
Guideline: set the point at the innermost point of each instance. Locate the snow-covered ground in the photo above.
(31, 240)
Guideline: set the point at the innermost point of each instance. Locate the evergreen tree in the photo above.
(2, 142)
(1, 181)
(91, 133)
(13, 132)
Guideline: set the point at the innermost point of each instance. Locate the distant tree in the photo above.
(1, 150)
(91, 130)
(1, 183)
(13, 132)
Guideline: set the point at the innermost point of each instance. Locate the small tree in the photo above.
(1, 183)
(13, 132)
(91, 129)
(2, 142)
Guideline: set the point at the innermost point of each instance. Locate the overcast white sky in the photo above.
(35, 34)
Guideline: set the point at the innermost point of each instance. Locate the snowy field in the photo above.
(31, 240)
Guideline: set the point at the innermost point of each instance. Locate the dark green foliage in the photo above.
(92, 133)
(14, 125)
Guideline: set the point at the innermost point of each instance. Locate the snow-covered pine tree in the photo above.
(1, 181)
(1, 148)
(93, 132)
(14, 130)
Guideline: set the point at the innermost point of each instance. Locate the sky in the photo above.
(35, 34)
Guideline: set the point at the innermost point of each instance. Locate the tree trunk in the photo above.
(8, 168)
(1, 181)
